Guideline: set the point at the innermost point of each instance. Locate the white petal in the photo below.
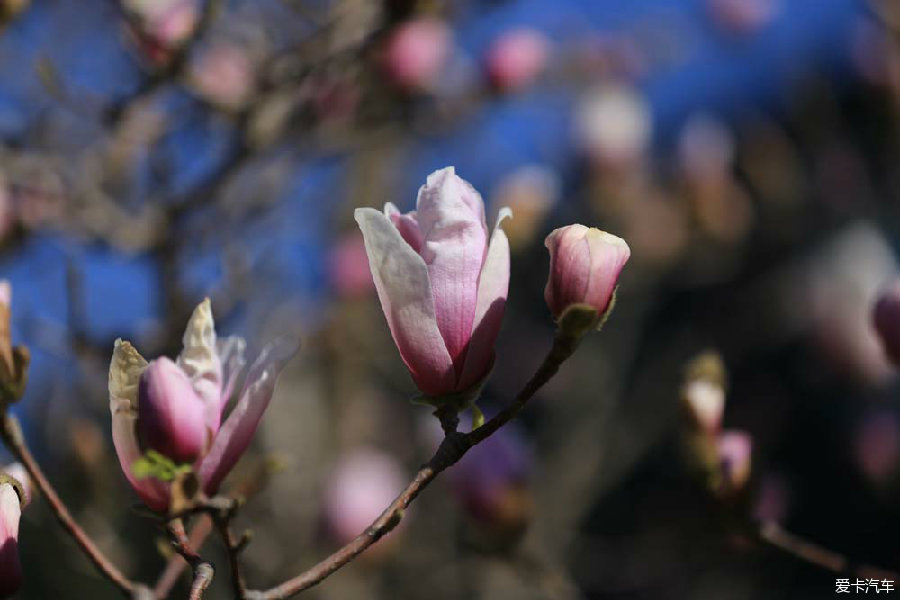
(200, 361)
(401, 279)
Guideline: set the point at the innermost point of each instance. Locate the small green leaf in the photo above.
(153, 464)
(477, 417)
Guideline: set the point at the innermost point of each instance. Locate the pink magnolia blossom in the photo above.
(442, 281)
(735, 449)
(11, 504)
(886, 319)
(362, 483)
(516, 59)
(416, 52)
(585, 264)
(176, 408)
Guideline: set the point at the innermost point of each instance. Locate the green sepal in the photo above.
(155, 465)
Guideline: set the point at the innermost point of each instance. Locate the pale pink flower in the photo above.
(11, 504)
(886, 319)
(176, 408)
(416, 52)
(585, 264)
(360, 486)
(735, 449)
(442, 281)
(517, 58)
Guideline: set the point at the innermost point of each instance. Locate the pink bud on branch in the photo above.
(14, 496)
(585, 264)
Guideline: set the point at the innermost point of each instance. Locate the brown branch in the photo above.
(177, 563)
(233, 547)
(11, 433)
(772, 534)
(453, 448)
(203, 571)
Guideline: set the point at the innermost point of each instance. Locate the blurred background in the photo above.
(153, 152)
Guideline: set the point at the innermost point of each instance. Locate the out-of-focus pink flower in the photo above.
(516, 59)
(361, 485)
(735, 449)
(530, 192)
(224, 75)
(886, 318)
(162, 26)
(416, 52)
(176, 407)
(585, 264)
(613, 126)
(348, 267)
(876, 446)
(442, 282)
(11, 504)
(742, 16)
(774, 499)
(491, 480)
(706, 399)
(844, 282)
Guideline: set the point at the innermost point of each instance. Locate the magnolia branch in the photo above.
(11, 433)
(203, 571)
(772, 534)
(452, 449)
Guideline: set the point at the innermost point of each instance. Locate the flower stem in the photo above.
(454, 447)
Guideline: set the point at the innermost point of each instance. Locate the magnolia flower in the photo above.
(360, 485)
(585, 264)
(442, 282)
(175, 408)
(735, 449)
(886, 319)
(14, 495)
(416, 52)
(516, 58)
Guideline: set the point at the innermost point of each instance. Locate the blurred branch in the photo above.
(771, 533)
(172, 69)
(11, 433)
(452, 449)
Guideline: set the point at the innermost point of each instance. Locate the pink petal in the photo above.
(200, 362)
(407, 225)
(231, 356)
(451, 217)
(237, 431)
(10, 566)
(493, 286)
(402, 282)
(608, 255)
(125, 371)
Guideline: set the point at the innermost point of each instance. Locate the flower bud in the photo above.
(171, 414)
(703, 392)
(585, 264)
(886, 318)
(10, 511)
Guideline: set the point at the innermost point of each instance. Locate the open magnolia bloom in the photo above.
(173, 409)
(442, 280)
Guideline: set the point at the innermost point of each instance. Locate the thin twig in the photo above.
(11, 433)
(771, 533)
(177, 563)
(233, 546)
(453, 448)
(203, 571)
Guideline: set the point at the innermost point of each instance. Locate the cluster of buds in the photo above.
(15, 494)
(721, 457)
